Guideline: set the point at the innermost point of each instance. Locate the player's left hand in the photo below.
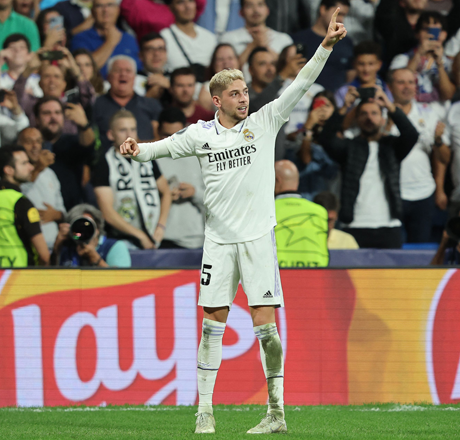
(335, 32)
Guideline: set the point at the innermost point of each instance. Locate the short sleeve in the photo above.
(182, 143)
(100, 173)
(156, 170)
(118, 255)
(27, 218)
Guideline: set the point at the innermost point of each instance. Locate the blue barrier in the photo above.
(191, 258)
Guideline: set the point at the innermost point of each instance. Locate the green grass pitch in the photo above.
(374, 421)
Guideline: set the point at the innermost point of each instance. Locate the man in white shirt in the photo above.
(255, 33)
(187, 43)
(419, 188)
(44, 189)
(236, 155)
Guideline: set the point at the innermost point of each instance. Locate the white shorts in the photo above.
(254, 262)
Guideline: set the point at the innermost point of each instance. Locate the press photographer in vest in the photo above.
(81, 241)
(134, 197)
(21, 240)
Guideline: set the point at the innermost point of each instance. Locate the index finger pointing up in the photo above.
(334, 16)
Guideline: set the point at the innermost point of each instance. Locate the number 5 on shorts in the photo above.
(207, 279)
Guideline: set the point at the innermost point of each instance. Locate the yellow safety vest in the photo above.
(12, 250)
(301, 233)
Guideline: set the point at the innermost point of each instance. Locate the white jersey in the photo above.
(238, 163)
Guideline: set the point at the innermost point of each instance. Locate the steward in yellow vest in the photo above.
(21, 241)
(301, 231)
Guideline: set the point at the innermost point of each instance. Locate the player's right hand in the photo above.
(129, 147)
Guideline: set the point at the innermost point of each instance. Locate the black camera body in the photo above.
(82, 230)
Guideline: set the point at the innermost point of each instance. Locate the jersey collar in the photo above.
(220, 128)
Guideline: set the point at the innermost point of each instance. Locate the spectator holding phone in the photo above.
(367, 61)
(12, 117)
(51, 28)
(16, 54)
(89, 71)
(428, 60)
(104, 40)
(371, 208)
(55, 80)
(12, 23)
(316, 168)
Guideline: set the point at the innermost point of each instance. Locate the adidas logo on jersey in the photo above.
(268, 295)
(206, 146)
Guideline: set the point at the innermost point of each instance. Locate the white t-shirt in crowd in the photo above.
(237, 163)
(198, 49)
(372, 209)
(32, 87)
(453, 45)
(185, 225)
(416, 179)
(46, 189)
(240, 38)
(453, 122)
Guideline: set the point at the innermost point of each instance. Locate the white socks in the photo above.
(209, 359)
(271, 354)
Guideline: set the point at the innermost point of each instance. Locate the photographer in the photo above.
(448, 252)
(80, 241)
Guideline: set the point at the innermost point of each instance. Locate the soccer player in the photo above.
(236, 154)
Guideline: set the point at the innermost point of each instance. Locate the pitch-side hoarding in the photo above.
(349, 336)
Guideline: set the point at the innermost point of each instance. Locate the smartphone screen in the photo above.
(318, 102)
(434, 31)
(57, 23)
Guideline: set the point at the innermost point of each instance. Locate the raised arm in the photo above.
(307, 76)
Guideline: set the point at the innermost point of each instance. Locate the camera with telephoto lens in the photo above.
(82, 230)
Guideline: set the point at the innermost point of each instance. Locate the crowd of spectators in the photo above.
(375, 140)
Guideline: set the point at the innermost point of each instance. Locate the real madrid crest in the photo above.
(248, 135)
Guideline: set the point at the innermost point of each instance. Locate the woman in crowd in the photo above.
(224, 57)
(89, 70)
(51, 29)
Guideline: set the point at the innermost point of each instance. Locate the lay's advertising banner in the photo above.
(125, 336)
